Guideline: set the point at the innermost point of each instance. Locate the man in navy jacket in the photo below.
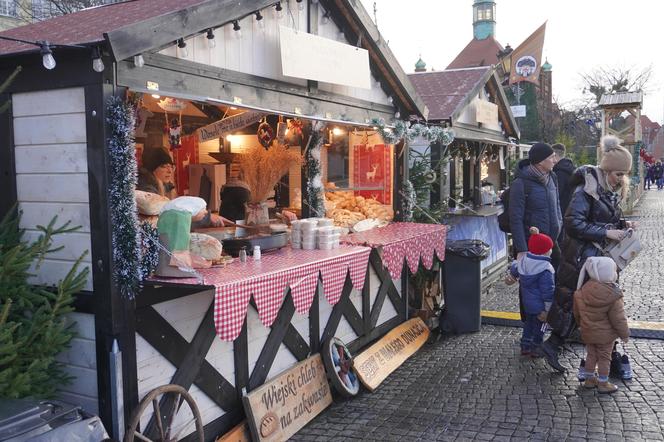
(534, 200)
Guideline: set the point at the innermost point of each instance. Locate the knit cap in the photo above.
(539, 243)
(154, 157)
(539, 152)
(601, 268)
(614, 156)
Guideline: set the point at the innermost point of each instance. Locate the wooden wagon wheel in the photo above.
(160, 430)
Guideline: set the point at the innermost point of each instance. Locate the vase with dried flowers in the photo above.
(262, 169)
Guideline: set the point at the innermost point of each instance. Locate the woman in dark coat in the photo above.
(593, 216)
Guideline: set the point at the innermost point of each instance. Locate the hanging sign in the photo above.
(378, 361)
(279, 408)
(519, 110)
(312, 57)
(172, 105)
(486, 112)
(219, 128)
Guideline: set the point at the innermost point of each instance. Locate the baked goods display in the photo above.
(346, 209)
(205, 246)
(149, 204)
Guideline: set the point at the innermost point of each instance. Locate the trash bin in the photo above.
(462, 279)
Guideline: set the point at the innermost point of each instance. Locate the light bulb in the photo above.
(47, 56)
(210, 38)
(98, 65)
(279, 11)
(183, 48)
(300, 5)
(238, 29)
(259, 20)
(336, 131)
(397, 114)
(326, 18)
(139, 62)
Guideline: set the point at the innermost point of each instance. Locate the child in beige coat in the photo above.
(600, 313)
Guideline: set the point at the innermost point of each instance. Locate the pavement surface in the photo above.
(478, 387)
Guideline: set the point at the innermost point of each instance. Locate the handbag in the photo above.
(624, 251)
(620, 366)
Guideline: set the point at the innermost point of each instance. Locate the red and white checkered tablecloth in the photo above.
(269, 278)
(399, 241)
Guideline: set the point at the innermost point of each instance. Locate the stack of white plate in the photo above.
(308, 233)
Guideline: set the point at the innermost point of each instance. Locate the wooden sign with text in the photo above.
(229, 124)
(279, 408)
(377, 362)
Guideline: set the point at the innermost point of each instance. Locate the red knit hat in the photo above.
(539, 243)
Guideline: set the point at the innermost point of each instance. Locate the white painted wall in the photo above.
(52, 173)
(257, 52)
(80, 361)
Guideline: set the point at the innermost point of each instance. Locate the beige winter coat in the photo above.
(600, 313)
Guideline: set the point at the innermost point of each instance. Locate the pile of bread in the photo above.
(346, 209)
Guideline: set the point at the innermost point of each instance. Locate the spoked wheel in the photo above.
(167, 403)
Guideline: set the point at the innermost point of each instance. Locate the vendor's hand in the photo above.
(542, 315)
(615, 235)
(521, 255)
(216, 220)
(632, 224)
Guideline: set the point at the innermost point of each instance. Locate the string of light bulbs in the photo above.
(46, 51)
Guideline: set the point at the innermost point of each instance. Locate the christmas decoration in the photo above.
(33, 329)
(265, 134)
(124, 220)
(401, 130)
(315, 196)
(149, 249)
(174, 132)
(409, 196)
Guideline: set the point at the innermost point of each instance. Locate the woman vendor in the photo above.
(156, 176)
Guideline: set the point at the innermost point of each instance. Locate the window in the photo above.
(8, 8)
(43, 9)
(484, 12)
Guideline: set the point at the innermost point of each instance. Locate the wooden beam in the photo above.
(296, 344)
(178, 80)
(161, 30)
(271, 347)
(157, 331)
(314, 320)
(156, 292)
(7, 162)
(241, 361)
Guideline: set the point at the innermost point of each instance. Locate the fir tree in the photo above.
(33, 328)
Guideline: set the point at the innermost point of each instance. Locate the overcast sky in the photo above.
(580, 35)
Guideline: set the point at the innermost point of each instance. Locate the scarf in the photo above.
(542, 177)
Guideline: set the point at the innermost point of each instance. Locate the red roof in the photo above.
(444, 91)
(89, 25)
(477, 53)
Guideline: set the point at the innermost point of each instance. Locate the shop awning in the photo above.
(483, 136)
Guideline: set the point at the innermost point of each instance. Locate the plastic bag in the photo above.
(468, 248)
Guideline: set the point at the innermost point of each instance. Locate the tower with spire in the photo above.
(484, 19)
(420, 65)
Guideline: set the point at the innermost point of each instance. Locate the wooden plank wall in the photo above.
(258, 53)
(52, 173)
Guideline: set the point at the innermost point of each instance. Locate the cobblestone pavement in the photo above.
(642, 281)
(478, 387)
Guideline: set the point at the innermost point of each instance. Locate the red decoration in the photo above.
(372, 168)
(646, 157)
(265, 134)
(184, 156)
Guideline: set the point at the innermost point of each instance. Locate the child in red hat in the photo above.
(536, 276)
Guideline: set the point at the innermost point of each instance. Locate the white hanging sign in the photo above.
(312, 57)
(219, 128)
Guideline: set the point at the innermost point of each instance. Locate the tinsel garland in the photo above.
(315, 195)
(123, 214)
(149, 249)
(408, 200)
(401, 130)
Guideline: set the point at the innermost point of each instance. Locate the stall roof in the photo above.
(447, 92)
(621, 99)
(141, 26)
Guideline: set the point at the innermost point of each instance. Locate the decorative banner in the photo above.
(372, 169)
(219, 128)
(378, 361)
(279, 408)
(186, 155)
(526, 60)
(172, 105)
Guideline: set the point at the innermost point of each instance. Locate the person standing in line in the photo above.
(600, 313)
(563, 169)
(593, 217)
(657, 172)
(534, 200)
(647, 179)
(536, 278)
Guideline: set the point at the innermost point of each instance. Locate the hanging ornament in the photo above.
(174, 132)
(295, 126)
(282, 129)
(430, 176)
(265, 134)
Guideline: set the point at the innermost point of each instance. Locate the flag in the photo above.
(526, 60)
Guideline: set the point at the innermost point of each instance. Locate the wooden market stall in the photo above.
(184, 65)
(471, 102)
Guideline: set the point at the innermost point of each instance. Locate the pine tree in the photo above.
(33, 328)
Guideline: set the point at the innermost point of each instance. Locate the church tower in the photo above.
(484, 19)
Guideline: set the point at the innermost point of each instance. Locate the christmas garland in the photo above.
(149, 249)
(124, 219)
(401, 130)
(315, 196)
(408, 200)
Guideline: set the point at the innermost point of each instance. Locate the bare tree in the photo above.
(37, 10)
(606, 79)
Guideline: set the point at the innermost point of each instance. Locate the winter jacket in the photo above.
(600, 313)
(533, 204)
(536, 280)
(589, 215)
(233, 196)
(657, 171)
(564, 170)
